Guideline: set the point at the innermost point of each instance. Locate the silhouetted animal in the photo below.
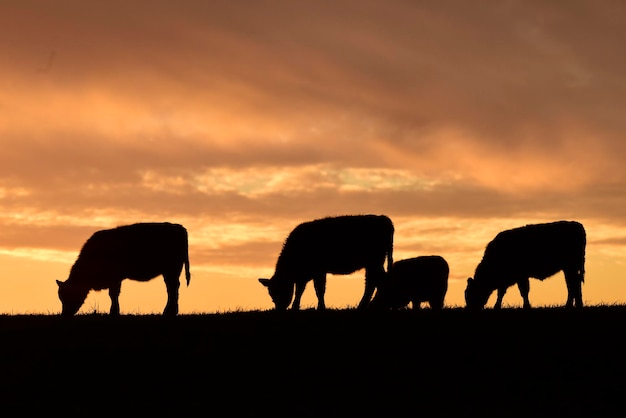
(138, 252)
(538, 251)
(336, 245)
(414, 280)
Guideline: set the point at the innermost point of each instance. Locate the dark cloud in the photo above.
(501, 68)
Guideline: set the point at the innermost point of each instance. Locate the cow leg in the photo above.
(172, 283)
(501, 293)
(370, 287)
(524, 288)
(436, 303)
(319, 282)
(114, 294)
(373, 278)
(574, 289)
(300, 286)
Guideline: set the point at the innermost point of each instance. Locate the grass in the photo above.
(548, 362)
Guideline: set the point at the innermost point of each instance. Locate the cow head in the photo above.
(281, 292)
(72, 297)
(476, 295)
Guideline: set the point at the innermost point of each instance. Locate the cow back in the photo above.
(339, 245)
(538, 251)
(139, 251)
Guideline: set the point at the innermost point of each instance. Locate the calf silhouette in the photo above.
(414, 280)
(138, 252)
(538, 251)
(336, 245)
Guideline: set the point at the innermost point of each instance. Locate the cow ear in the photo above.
(469, 280)
(59, 283)
(265, 282)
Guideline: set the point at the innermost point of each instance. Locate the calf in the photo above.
(414, 280)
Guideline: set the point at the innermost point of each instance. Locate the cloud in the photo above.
(424, 62)
(243, 120)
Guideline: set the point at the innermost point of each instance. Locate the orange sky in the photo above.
(241, 120)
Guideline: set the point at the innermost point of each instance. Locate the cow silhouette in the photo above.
(537, 251)
(139, 252)
(414, 280)
(336, 245)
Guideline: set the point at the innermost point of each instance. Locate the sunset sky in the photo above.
(242, 119)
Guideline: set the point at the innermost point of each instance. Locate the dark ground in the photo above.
(547, 362)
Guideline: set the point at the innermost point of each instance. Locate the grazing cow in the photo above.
(414, 280)
(138, 252)
(537, 251)
(336, 245)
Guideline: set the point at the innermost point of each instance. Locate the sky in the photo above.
(241, 120)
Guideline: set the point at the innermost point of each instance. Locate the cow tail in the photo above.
(390, 252)
(187, 272)
(582, 266)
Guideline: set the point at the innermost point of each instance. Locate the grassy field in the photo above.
(548, 362)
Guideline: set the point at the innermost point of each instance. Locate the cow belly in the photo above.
(345, 270)
(544, 273)
(143, 276)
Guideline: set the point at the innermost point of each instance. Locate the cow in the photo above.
(538, 251)
(414, 280)
(336, 245)
(139, 252)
